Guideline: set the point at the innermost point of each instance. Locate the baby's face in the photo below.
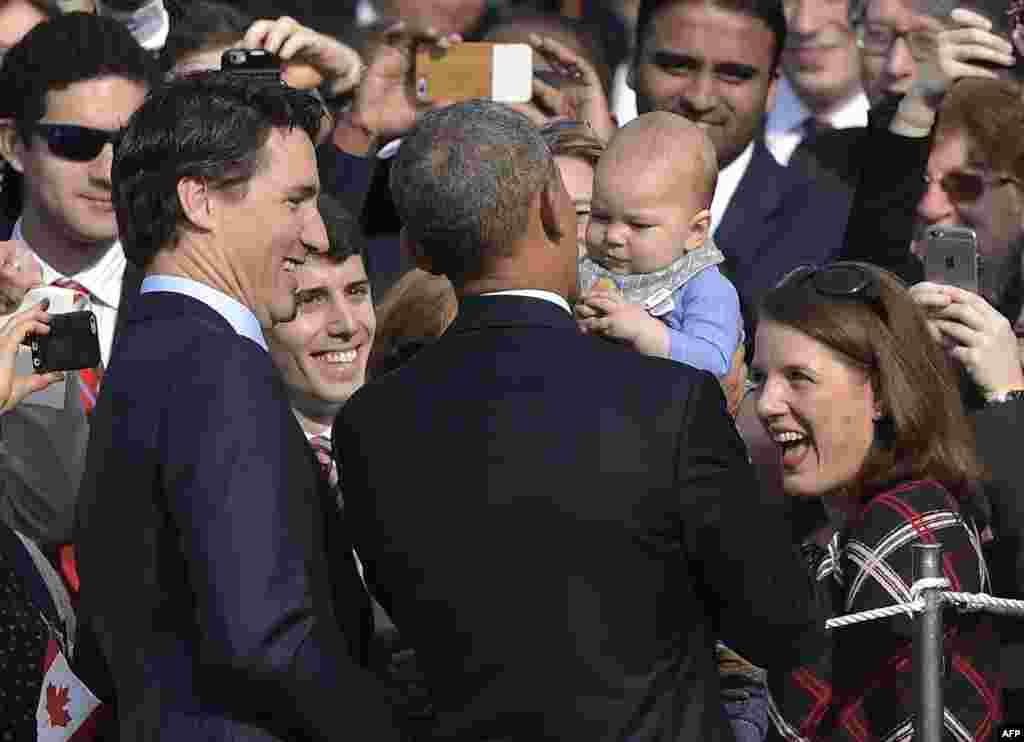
(638, 223)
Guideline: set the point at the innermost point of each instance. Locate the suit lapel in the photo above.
(756, 202)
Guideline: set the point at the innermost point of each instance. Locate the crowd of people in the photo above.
(573, 419)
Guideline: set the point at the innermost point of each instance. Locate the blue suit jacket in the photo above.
(202, 534)
(779, 218)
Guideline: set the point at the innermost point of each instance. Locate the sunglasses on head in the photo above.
(839, 280)
(964, 187)
(73, 142)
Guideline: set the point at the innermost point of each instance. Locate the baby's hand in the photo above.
(610, 315)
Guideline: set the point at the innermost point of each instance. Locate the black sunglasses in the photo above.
(838, 280)
(968, 187)
(73, 142)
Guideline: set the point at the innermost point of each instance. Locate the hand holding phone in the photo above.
(16, 331)
(71, 343)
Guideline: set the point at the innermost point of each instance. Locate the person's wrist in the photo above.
(915, 115)
(353, 134)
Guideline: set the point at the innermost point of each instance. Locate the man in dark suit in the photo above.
(201, 521)
(717, 65)
(559, 526)
(56, 121)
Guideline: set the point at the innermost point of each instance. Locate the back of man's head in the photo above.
(464, 183)
(209, 125)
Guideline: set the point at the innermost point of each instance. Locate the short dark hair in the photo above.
(202, 25)
(769, 11)
(925, 433)
(463, 183)
(344, 237)
(210, 125)
(54, 55)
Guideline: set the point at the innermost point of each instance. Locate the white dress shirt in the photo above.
(728, 181)
(784, 127)
(550, 296)
(102, 279)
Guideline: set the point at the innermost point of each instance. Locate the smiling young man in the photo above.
(322, 353)
(716, 63)
(239, 628)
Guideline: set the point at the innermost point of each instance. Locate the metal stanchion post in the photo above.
(928, 654)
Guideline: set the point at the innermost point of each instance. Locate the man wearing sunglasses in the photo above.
(66, 87)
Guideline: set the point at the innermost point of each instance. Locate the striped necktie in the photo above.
(89, 378)
(328, 468)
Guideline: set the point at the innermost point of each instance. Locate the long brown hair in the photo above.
(924, 433)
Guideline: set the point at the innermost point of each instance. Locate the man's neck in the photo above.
(313, 422)
(63, 255)
(823, 107)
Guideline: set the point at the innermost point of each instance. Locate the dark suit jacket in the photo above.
(778, 219)
(42, 450)
(201, 545)
(561, 528)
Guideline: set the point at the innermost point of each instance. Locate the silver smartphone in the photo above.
(951, 257)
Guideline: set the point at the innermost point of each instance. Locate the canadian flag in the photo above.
(68, 711)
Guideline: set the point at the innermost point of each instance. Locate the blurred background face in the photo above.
(322, 353)
(821, 58)
(817, 407)
(447, 16)
(995, 216)
(711, 65)
(578, 176)
(888, 65)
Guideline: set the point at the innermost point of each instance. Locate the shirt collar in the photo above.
(239, 316)
(728, 181)
(102, 279)
(550, 296)
(789, 112)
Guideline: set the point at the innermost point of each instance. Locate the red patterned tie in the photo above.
(322, 448)
(89, 378)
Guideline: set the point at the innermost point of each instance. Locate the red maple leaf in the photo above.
(56, 700)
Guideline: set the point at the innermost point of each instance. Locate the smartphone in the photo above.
(501, 72)
(255, 62)
(73, 343)
(951, 257)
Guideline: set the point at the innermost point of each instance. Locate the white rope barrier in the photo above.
(963, 602)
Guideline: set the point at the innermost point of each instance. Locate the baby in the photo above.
(650, 277)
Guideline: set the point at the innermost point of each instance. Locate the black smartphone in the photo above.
(951, 257)
(73, 343)
(255, 62)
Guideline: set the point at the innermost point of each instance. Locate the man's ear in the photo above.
(197, 203)
(10, 144)
(550, 196)
(410, 247)
(700, 227)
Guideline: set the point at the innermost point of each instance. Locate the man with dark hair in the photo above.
(66, 88)
(716, 62)
(232, 628)
(322, 353)
(558, 547)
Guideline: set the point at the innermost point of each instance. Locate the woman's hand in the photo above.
(14, 388)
